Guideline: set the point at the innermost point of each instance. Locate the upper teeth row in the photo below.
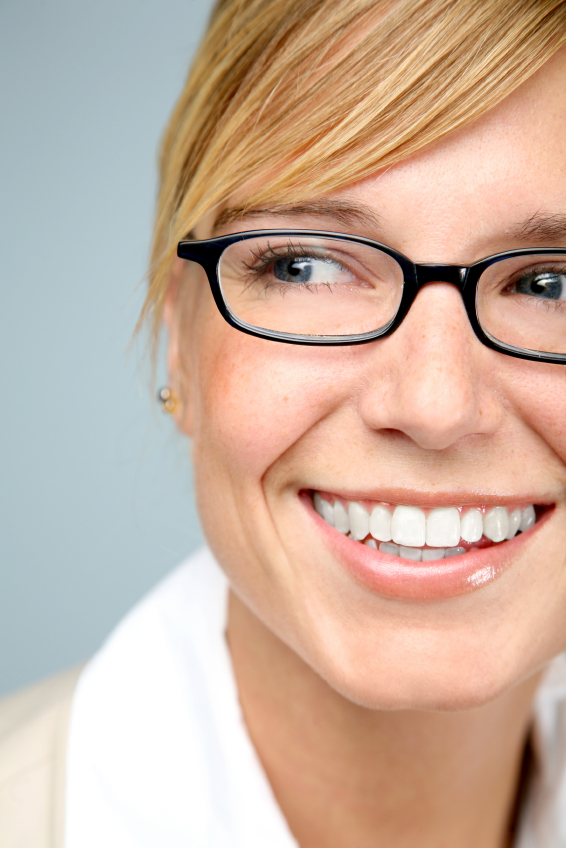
(409, 526)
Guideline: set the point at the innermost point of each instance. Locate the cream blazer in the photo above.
(33, 743)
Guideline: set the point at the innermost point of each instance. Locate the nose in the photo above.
(433, 380)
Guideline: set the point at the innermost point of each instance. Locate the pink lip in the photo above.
(399, 578)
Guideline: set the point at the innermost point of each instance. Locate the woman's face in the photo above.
(427, 417)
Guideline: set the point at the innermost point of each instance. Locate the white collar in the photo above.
(159, 756)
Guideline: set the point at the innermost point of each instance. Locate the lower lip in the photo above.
(399, 578)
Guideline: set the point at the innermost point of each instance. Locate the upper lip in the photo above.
(410, 497)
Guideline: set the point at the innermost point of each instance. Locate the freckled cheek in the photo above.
(257, 399)
(541, 403)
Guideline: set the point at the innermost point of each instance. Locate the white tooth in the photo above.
(323, 508)
(410, 553)
(432, 553)
(408, 526)
(327, 512)
(528, 518)
(359, 520)
(341, 520)
(388, 548)
(496, 524)
(471, 526)
(371, 543)
(514, 523)
(450, 552)
(380, 524)
(443, 527)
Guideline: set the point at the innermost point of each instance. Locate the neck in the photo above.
(345, 775)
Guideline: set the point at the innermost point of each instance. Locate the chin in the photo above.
(439, 683)
(442, 663)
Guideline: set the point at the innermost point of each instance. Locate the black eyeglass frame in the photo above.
(207, 254)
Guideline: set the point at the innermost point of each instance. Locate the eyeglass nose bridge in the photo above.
(431, 273)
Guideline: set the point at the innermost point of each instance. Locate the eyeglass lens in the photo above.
(320, 286)
(521, 301)
(310, 285)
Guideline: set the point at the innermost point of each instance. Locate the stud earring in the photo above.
(168, 399)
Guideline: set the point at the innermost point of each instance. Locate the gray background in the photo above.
(95, 489)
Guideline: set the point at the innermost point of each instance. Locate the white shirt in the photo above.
(159, 755)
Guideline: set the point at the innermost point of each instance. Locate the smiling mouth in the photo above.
(423, 535)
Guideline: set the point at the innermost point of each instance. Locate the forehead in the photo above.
(485, 181)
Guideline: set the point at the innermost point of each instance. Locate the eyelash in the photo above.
(534, 271)
(265, 256)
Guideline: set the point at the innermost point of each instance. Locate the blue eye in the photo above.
(293, 270)
(546, 284)
(311, 270)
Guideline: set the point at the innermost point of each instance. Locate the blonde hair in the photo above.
(302, 97)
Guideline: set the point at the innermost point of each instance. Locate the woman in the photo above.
(360, 261)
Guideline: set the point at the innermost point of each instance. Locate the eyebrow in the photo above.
(542, 226)
(345, 212)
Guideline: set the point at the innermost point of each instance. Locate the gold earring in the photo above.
(168, 399)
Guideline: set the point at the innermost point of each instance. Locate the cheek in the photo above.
(256, 398)
(538, 393)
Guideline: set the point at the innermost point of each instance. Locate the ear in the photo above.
(177, 366)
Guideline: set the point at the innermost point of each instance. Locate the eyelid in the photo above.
(538, 270)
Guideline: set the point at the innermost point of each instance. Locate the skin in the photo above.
(384, 721)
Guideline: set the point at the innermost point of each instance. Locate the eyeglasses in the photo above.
(323, 288)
